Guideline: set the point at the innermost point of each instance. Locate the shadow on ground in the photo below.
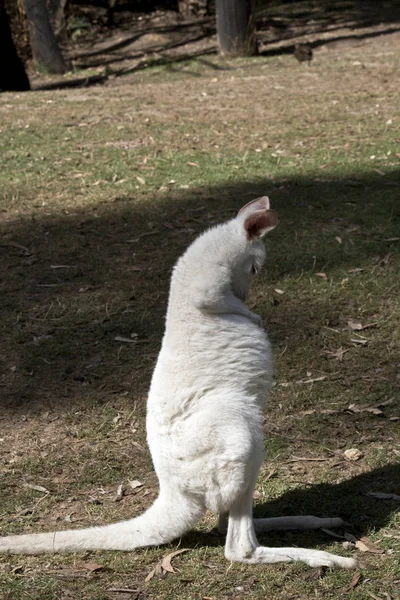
(73, 284)
(348, 500)
(286, 20)
(319, 43)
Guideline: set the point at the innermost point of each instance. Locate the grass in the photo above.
(101, 190)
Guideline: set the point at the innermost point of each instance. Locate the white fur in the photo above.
(205, 407)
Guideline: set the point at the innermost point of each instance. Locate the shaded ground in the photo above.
(101, 190)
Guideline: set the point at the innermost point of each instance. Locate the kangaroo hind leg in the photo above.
(242, 544)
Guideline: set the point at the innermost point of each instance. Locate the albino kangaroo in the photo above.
(205, 410)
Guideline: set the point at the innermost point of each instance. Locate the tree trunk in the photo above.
(57, 12)
(45, 50)
(12, 73)
(235, 27)
(110, 12)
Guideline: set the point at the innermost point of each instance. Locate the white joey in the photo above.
(205, 410)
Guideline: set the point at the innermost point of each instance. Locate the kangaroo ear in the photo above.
(259, 223)
(257, 204)
(258, 218)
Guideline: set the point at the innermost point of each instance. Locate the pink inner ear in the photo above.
(260, 223)
(261, 203)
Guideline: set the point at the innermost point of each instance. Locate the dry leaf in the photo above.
(354, 581)
(301, 381)
(373, 595)
(37, 488)
(92, 567)
(361, 341)
(120, 493)
(17, 569)
(365, 545)
(386, 402)
(338, 239)
(359, 408)
(120, 338)
(138, 237)
(356, 270)
(278, 291)
(353, 454)
(62, 266)
(193, 164)
(385, 259)
(141, 180)
(338, 354)
(358, 326)
(150, 575)
(135, 484)
(354, 325)
(322, 275)
(16, 245)
(313, 380)
(306, 458)
(166, 561)
(124, 591)
(169, 226)
(270, 474)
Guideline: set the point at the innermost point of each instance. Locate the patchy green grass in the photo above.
(101, 190)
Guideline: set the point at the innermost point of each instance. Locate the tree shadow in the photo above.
(154, 50)
(141, 65)
(119, 44)
(287, 18)
(73, 284)
(289, 49)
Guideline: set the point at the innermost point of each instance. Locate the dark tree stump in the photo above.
(13, 77)
(235, 27)
(45, 50)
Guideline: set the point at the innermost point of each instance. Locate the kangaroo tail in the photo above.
(168, 518)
